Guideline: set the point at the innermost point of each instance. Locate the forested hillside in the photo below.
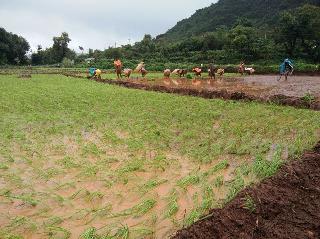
(224, 13)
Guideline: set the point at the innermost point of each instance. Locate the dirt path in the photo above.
(286, 205)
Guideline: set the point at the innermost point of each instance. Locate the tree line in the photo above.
(297, 35)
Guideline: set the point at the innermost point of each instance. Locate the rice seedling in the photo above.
(172, 204)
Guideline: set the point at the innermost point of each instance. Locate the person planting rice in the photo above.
(211, 71)
(98, 74)
(127, 73)
(286, 68)
(118, 66)
(180, 72)
(197, 71)
(141, 69)
(166, 73)
(93, 72)
(241, 68)
(220, 71)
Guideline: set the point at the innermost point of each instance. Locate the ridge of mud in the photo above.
(287, 205)
(279, 99)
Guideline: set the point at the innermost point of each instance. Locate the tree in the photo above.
(147, 45)
(13, 48)
(299, 32)
(241, 41)
(60, 47)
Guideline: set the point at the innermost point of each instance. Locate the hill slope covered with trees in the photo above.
(225, 13)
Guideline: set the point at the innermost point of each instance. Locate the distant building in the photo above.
(89, 60)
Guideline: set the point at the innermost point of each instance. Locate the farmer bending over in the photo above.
(93, 72)
(286, 68)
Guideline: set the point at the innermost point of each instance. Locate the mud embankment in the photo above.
(286, 205)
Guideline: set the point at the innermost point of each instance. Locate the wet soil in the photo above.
(286, 205)
(297, 91)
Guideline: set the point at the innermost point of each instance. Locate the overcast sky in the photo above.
(95, 24)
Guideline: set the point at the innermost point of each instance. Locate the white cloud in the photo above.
(96, 23)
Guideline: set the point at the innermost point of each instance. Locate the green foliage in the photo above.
(249, 204)
(67, 62)
(189, 76)
(13, 48)
(265, 168)
(299, 30)
(308, 98)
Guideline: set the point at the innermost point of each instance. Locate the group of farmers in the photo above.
(286, 68)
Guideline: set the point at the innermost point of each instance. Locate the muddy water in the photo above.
(82, 202)
(259, 85)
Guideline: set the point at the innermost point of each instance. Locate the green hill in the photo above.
(262, 13)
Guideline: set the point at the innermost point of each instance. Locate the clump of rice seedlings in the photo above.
(49, 173)
(151, 184)
(53, 221)
(111, 137)
(133, 165)
(191, 179)
(91, 149)
(77, 194)
(106, 161)
(206, 204)
(58, 232)
(159, 162)
(220, 166)
(68, 162)
(138, 210)
(100, 212)
(191, 217)
(144, 207)
(90, 233)
(249, 204)
(135, 144)
(91, 196)
(218, 181)
(4, 166)
(235, 186)
(58, 198)
(264, 168)
(123, 232)
(80, 214)
(172, 206)
(26, 198)
(244, 169)
(142, 232)
(65, 186)
(89, 170)
(14, 179)
(207, 199)
(29, 199)
(22, 223)
(108, 183)
(9, 235)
